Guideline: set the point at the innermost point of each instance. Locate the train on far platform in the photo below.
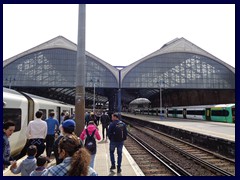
(21, 107)
(219, 113)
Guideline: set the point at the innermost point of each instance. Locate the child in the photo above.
(41, 166)
(28, 164)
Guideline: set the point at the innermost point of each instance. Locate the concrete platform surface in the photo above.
(209, 128)
(102, 162)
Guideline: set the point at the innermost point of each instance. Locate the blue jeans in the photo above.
(92, 161)
(119, 146)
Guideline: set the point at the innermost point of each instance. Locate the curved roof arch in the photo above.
(180, 64)
(140, 101)
(61, 51)
(177, 45)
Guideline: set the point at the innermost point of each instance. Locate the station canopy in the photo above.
(49, 70)
(140, 101)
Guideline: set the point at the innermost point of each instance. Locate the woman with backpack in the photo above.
(90, 134)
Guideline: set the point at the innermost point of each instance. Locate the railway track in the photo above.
(196, 161)
(149, 160)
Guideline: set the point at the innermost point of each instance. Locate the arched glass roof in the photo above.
(179, 70)
(179, 64)
(53, 64)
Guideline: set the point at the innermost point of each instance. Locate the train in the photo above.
(218, 113)
(21, 107)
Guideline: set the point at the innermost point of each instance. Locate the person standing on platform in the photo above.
(75, 159)
(52, 127)
(67, 129)
(8, 129)
(93, 118)
(87, 118)
(62, 116)
(42, 162)
(98, 116)
(117, 133)
(90, 134)
(67, 116)
(27, 165)
(37, 132)
(105, 120)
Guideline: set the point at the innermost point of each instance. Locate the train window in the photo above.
(196, 112)
(220, 113)
(44, 113)
(14, 115)
(179, 112)
(50, 110)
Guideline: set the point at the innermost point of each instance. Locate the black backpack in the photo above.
(120, 132)
(90, 142)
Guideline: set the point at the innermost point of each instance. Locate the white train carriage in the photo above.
(21, 108)
(46, 106)
(195, 112)
(189, 112)
(15, 109)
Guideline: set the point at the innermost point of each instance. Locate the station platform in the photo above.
(217, 137)
(102, 162)
(209, 128)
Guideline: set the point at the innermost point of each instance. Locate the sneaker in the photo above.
(119, 170)
(112, 167)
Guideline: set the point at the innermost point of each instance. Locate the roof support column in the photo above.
(80, 72)
(119, 96)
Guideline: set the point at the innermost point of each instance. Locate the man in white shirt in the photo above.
(37, 132)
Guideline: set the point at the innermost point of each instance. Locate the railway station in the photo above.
(179, 74)
(178, 104)
(184, 73)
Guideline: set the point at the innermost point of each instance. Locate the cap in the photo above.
(115, 114)
(70, 123)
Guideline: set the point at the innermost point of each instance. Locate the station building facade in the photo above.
(185, 73)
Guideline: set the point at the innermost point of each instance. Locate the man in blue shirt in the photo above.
(52, 126)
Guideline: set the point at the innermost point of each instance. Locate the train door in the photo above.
(233, 114)
(174, 113)
(208, 114)
(184, 113)
(31, 107)
(58, 113)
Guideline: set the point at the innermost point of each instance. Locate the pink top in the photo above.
(90, 129)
